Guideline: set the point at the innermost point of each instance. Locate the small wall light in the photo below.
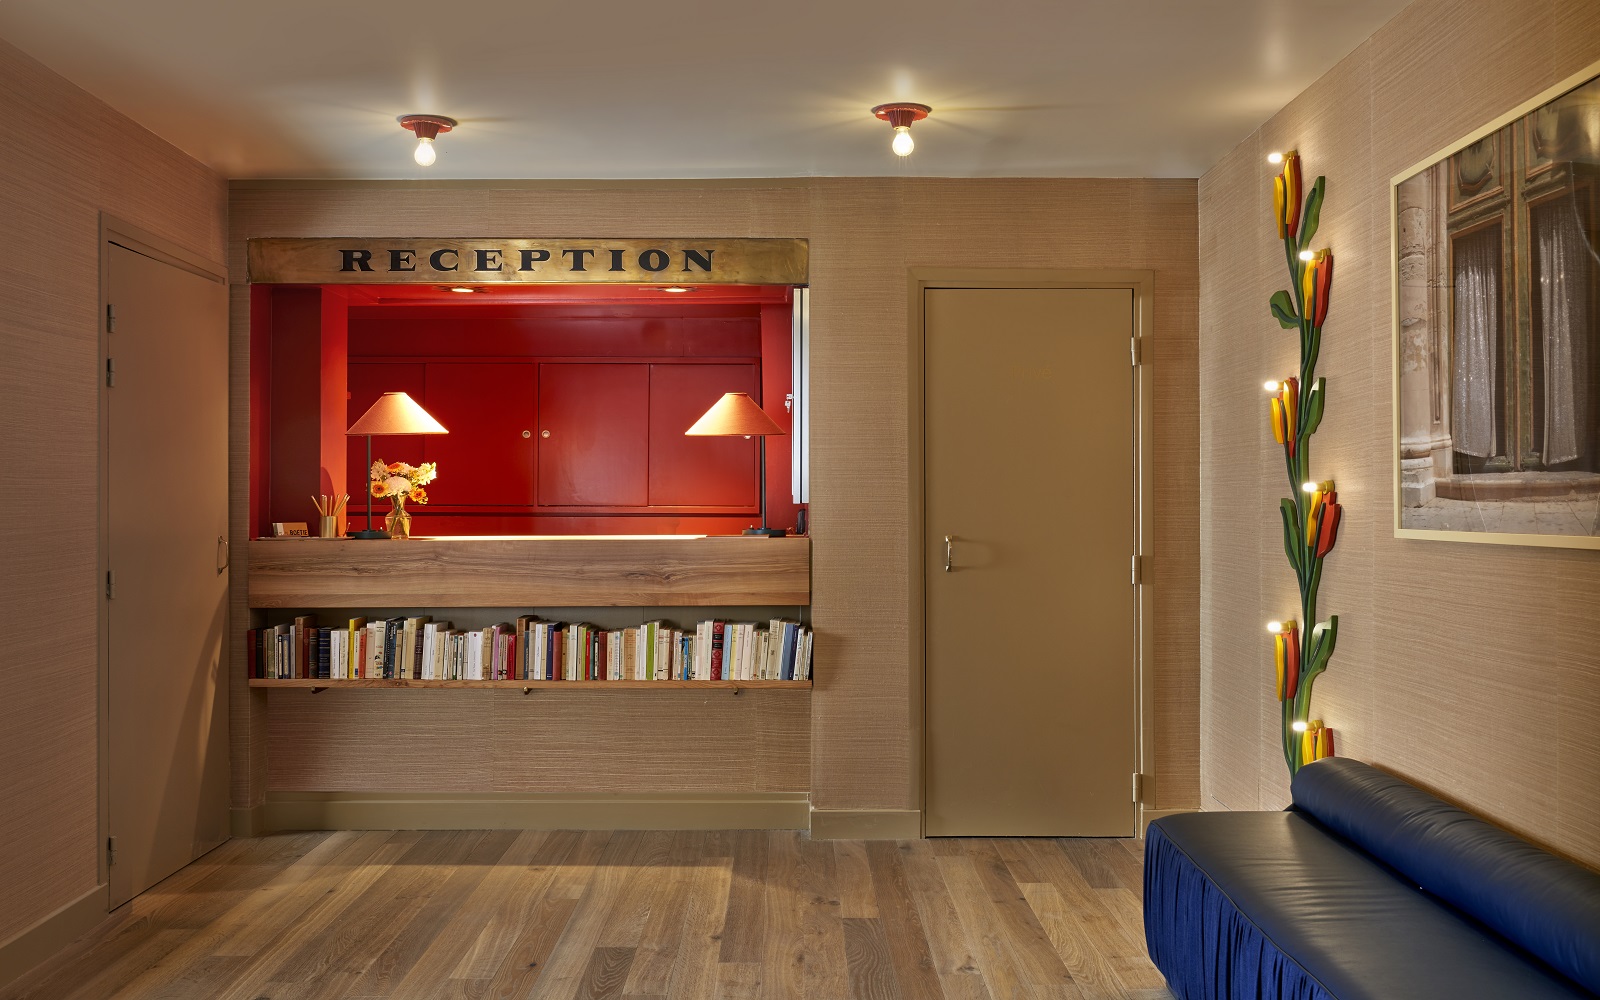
(427, 128)
(901, 116)
(1274, 157)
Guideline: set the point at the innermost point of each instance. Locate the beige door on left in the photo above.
(166, 496)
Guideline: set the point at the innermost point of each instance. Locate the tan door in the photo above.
(167, 514)
(1031, 629)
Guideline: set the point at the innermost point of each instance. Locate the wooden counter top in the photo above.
(544, 571)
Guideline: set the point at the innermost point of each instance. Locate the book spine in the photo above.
(717, 640)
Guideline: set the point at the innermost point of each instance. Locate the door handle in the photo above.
(223, 556)
(949, 551)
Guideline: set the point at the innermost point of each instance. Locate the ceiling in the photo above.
(696, 88)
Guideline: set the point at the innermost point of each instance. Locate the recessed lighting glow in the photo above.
(676, 289)
(461, 289)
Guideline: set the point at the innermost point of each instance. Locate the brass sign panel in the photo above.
(362, 260)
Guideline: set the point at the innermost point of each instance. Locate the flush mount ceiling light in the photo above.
(901, 116)
(427, 128)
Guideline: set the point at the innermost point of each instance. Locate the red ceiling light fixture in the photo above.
(427, 128)
(901, 116)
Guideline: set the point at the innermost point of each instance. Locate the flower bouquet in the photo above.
(400, 482)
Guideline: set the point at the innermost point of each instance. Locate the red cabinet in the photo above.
(699, 471)
(594, 435)
(491, 411)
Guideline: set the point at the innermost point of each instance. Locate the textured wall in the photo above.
(68, 158)
(865, 236)
(1470, 669)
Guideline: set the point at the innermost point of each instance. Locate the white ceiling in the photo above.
(696, 88)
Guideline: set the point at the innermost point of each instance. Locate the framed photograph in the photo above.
(1497, 329)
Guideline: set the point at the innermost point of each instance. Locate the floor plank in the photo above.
(623, 915)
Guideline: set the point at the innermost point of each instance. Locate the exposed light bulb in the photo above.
(1272, 386)
(1274, 157)
(1299, 726)
(1309, 487)
(424, 154)
(1307, 255)
(903, 144)
(1274, 627)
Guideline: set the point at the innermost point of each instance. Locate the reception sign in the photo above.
(387, 261)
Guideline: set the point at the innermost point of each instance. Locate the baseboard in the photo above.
(866, 824)
(1147, 815)
(251, 822)
(510, 811)
(38, 943)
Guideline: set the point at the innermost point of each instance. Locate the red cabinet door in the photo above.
(593, 435)
(699, 471)
(490, 409)
(368, 381)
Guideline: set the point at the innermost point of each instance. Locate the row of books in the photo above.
(531, 649)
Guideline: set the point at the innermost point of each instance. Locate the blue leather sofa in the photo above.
(1367, 887)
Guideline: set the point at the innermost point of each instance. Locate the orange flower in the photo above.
(380, 488)
(419, 495)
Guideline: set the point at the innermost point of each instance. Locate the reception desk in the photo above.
(382, 754)
(511, 571)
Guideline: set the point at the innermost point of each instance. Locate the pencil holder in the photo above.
(330, 527)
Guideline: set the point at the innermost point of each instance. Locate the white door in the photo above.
(1030, 514)
(167, 510)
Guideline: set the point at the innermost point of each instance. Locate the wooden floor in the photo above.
(566, 915)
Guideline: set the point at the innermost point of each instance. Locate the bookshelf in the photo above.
(664, 572)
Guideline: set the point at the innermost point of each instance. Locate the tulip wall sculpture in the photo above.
(1311, 512)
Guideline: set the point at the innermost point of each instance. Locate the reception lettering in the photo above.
(448, 260)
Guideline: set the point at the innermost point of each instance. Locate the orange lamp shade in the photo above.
(734, 415)
(396, 413)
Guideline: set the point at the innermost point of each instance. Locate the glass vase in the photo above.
(398, 521)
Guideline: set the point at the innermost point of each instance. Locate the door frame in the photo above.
(1142, 284)
(141, 241)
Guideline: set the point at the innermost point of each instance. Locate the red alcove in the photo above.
(564, 404)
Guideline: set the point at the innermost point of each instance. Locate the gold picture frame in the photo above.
(1495, 285)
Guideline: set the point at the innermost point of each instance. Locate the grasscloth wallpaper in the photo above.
(1470, 669)
(865, 236)
(70, 158)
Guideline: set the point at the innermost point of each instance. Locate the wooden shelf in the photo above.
(374, 682)
(595, 571)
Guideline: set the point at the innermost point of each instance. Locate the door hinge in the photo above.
(111, 372)
(1136, 351)
(111, 585)
(1136, 570)
(1138, 787)
(111, 318)
(111, 851)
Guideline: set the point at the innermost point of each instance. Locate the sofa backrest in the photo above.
(1546, 905)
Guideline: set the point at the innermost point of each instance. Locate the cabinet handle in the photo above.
(544, 434)
(526, 435)
(949, 551)
(223, 554)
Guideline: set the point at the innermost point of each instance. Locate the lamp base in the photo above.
(764, 532)
(369, 533)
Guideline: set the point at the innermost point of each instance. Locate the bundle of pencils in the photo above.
(331, 506)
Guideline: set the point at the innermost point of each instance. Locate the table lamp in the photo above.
(737, 415)
(393, 413)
